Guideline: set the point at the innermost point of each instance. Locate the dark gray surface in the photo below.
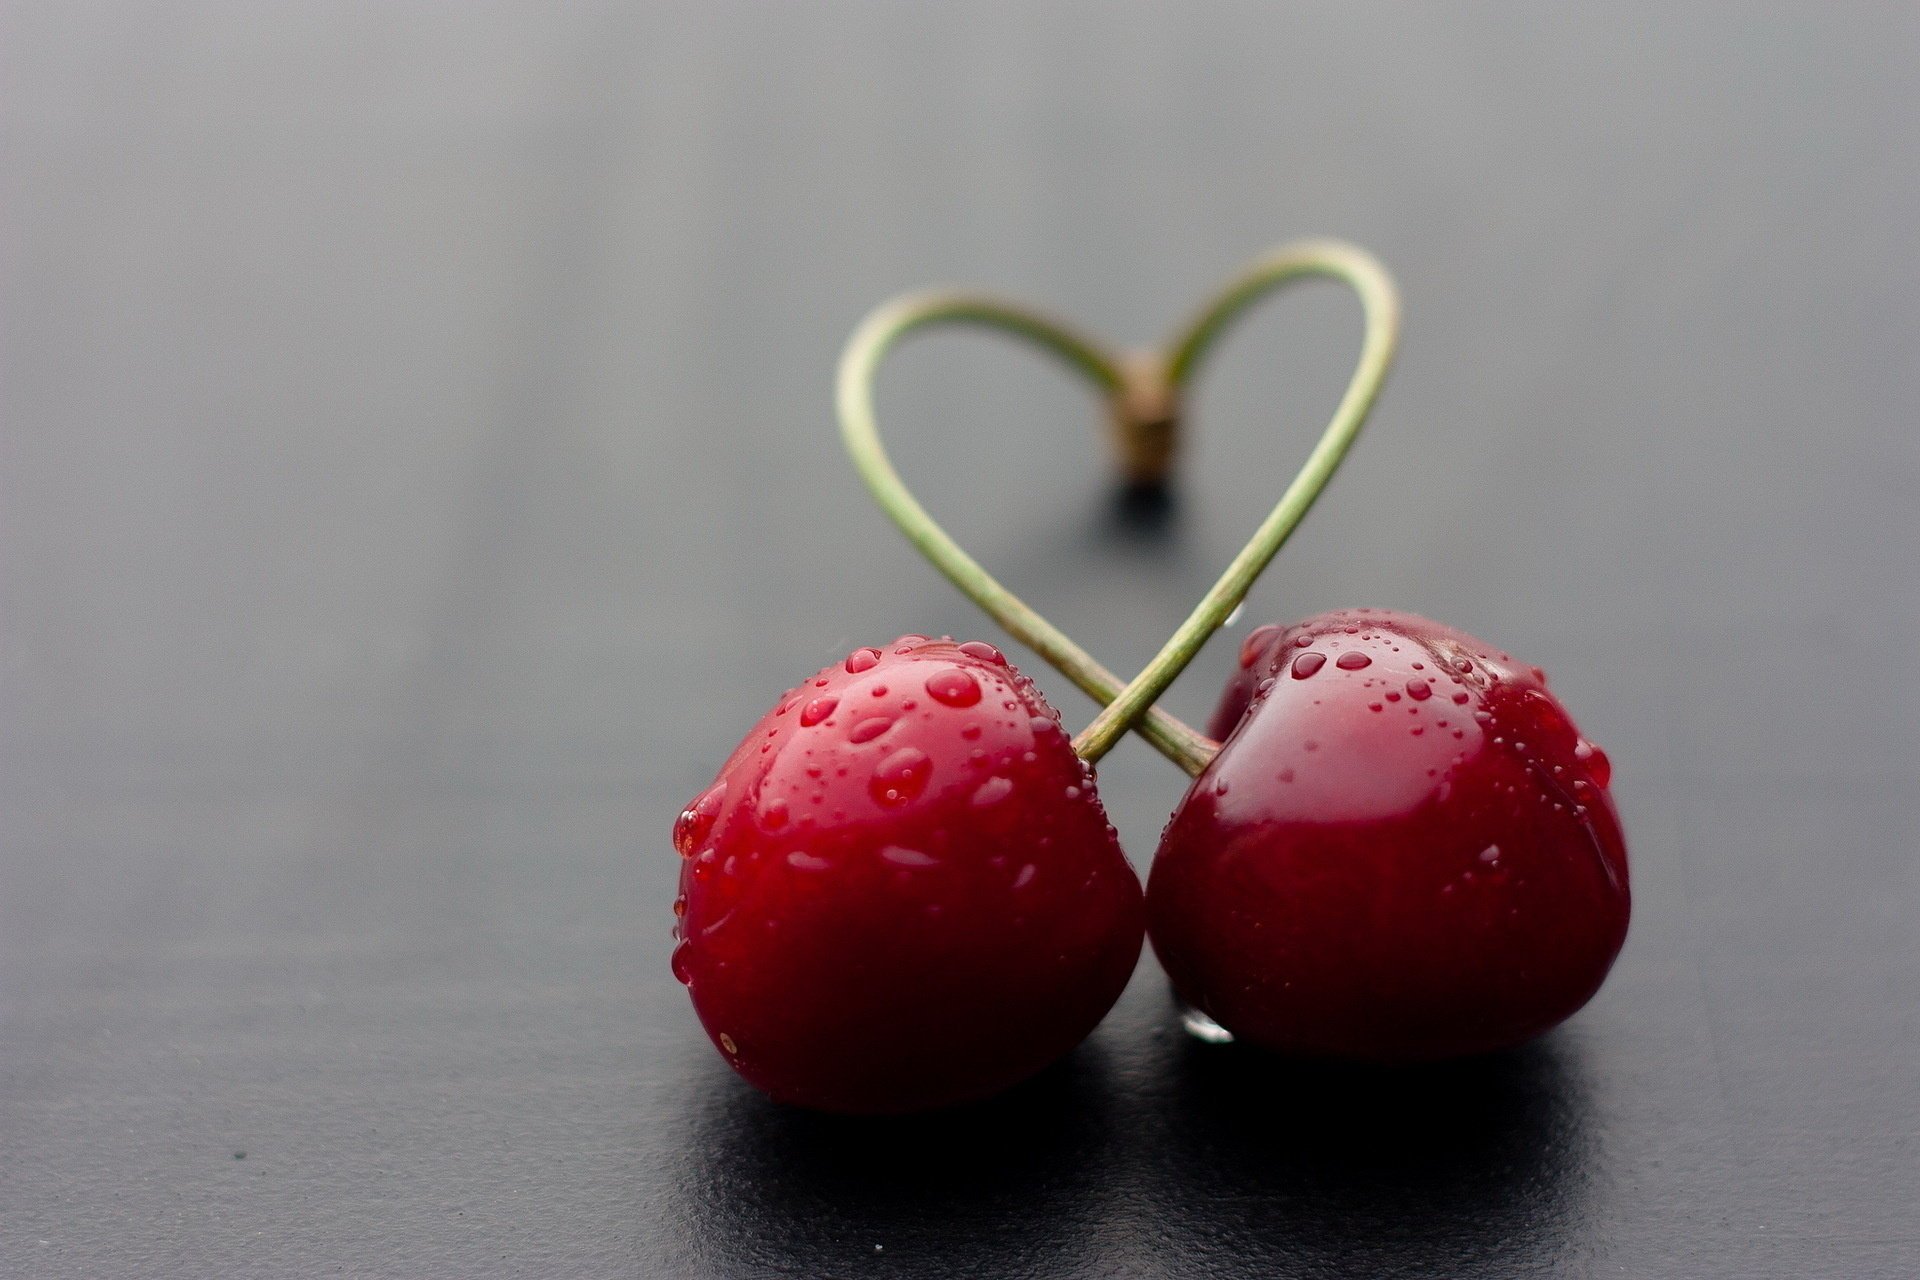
(417, 473)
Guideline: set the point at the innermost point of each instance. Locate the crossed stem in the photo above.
(1143, 395)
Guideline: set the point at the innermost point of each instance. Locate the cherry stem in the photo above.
(1143, 395)
(1380, 301)
(860, 430)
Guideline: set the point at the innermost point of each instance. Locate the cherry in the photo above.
(902, 891)
(1405, 850)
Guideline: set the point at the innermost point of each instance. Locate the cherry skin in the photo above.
(1403, 851)
(902, 891)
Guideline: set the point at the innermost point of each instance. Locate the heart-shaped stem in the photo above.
(1128, 386)
(1381, 302)
(859, 428)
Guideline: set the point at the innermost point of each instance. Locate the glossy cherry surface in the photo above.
(901, 891)
(1404, 849)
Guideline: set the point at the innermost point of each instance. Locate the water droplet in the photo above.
(1073, 793)
(680, 966)
(726, 1043)
(970, 732)
(774, 816)
(1256, 643)
(1201, 1027)
(1596, 761)
(901, 776)
(900, 856)
(1353, 660)
(800, 861)
(862, 660)
(870, 728)
(878, 691)
(1373, 706)
(992, 791)
(696, 820)
(1043, 725)
(1490, 854)
(985, 652)
(953, 687)
(1303, 641)
(1419, 666)
(909, 640)
(1285, 775)
(1220, 787)
(1308, 663)
(1419, 690)
(816, 711)
(1462, 697)
(1025, 878)
(680, 905)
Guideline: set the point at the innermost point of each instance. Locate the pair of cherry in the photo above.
(902, 891)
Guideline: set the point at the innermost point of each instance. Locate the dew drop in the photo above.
(1073, 793)
(774, 816)
(1220, 787)
(1352, 660)
(870, 728)
(1419, 690)
(1462, 697)
(1025, 878)
(1308, 663)
(1596, 761)
(680, 905)
(1285, 775)
(726, 1043)
(679, 964)
(953, 687)
(900, 856)
(901, 776)
(800, 861)
(862, 660)
(1043, 725)
(970, 732)
(1490, 854)
(985, 652)
(696, 821)
(992, 792)
(816, 711)
(1255, 644)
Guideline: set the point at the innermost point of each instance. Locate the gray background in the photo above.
(418, 473)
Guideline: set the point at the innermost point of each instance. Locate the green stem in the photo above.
(1381, 303)
(860, 430)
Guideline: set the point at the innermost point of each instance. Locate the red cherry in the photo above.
(1404, 850)
(902, 891)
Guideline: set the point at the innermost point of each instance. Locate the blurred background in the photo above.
(417, 470)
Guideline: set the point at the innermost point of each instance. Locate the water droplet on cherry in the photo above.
(953, 688)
